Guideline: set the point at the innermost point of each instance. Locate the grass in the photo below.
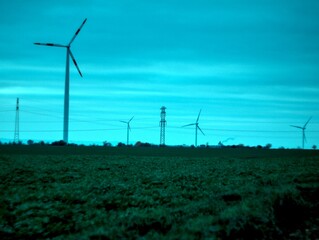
(111, 193)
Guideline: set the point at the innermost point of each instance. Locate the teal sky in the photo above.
(251, 66)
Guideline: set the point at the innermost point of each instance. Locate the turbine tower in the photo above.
(196, 128)
(303, 132)
(16, 129)
(67, 79)
(128, 130)
(162, 125)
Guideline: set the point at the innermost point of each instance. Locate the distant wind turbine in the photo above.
(67, 79)
(196, 127)
(303, 132)
(228, 139)
(128, 130)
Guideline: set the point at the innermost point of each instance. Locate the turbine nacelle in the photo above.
(128, 122)
(128, 128)
(296, 126)
(67, 77)
(196, 124)
(69, 53)
(304, 139)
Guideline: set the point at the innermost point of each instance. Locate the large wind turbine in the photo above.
(196, 127)
(303, 132)
(67, 78)
(128, 130)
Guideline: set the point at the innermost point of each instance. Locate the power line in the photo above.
(71, 119)
(7, 111)
(153, 127)
(76, 130)
(255, 131)
(241, 130)
(104, 120)
(43, 114)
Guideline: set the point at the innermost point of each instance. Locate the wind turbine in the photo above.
(303, 132)
(67, 78)
(196, 127)
(128, 129)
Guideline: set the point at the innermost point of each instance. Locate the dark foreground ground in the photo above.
(158, 193)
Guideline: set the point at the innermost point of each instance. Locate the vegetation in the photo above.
(74, 192)
(137, 144)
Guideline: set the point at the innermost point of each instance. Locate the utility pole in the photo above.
(162, 126)
(16, 130)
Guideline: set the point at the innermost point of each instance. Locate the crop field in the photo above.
(158, 193)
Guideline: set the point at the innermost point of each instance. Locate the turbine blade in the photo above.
(50, 44)
(296, 126)
(307, 122)
(201, 130)
(189, 125)
(129, 127)
(198, 116)
(123, 122)
(77, 32)
(76, 65)
(131, 119)
(228, 139)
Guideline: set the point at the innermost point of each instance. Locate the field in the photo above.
(158, 193)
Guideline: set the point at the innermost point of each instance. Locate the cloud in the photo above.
(235, 60)
(34, 91)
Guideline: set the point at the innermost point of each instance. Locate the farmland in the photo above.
(158, 193)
